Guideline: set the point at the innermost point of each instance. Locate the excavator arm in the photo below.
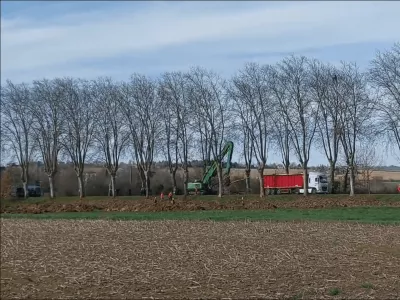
(212, 169)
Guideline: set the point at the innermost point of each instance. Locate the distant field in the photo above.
(385, 175)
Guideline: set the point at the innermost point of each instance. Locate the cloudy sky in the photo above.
(90, 39)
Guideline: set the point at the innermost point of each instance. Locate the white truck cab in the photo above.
(317, 183)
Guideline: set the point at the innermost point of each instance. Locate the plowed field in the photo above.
(149, 205)
(181, 259)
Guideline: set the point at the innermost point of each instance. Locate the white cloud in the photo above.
(49, 46)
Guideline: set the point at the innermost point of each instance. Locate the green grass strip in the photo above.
(375, 215)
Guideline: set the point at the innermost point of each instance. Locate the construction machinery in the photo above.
(204, 186)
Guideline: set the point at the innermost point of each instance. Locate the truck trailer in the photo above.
(293, 184)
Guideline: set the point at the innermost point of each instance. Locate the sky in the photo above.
(47, 39)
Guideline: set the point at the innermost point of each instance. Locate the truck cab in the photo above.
(317, 183)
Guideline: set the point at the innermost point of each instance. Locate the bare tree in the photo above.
(242, 131)
(291, 83)
(199, 125)
(281, 133)
(356, 113)
(111, 133)
(142, 112)
(170, 133)
(253, 100)
(244, 136)
(177, 122)
(80, 119)
(367, 159)
(211, 106)
(384, 75)
(325, 90)
(17, 126)
(48, 122)
(248, 154)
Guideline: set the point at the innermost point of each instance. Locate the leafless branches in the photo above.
(325, 90)
(367, 158)
(210, 104)
(80, 120)
(356, 111)
(384, 75)
(142, 111)
(253, 102)
(111, 133)
(290, 106)
(48, 123)
(177, 120)
(17, 125)
(295, 101)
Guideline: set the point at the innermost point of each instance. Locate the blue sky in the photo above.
(90, 39)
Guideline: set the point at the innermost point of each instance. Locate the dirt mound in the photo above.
(149, 205)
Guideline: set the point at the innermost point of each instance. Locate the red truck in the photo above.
(282, 183)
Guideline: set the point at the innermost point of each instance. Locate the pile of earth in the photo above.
(151, 205)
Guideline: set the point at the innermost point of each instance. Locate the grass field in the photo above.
(377, 215)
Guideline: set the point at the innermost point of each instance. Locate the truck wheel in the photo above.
(278, 191)
(267, 191)
(313, 191)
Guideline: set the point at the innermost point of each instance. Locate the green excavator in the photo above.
(204, 186)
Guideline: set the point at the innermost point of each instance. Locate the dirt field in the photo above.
(232, 203)
(179, 259)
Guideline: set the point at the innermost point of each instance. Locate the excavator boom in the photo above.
(211, 171)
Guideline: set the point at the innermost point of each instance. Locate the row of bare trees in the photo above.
(287, 107)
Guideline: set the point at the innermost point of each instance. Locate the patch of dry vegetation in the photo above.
(182, 259)
(196, 204)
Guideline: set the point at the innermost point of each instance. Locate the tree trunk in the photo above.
(332, 177)
(113, 184)
(305, 180)
(51, 185)
(185, 182)
(220, 181)
(25, 185)
(346, 177)
(81, 186)
(248, 181)
(351, 181)
(142, 176)
(261, 180)
(287, 170)
(24, 179)
(147, 183)
(173, 178)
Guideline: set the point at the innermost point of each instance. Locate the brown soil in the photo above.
(149, 205)
(181, 259)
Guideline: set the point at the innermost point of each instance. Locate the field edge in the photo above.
(374, 215)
